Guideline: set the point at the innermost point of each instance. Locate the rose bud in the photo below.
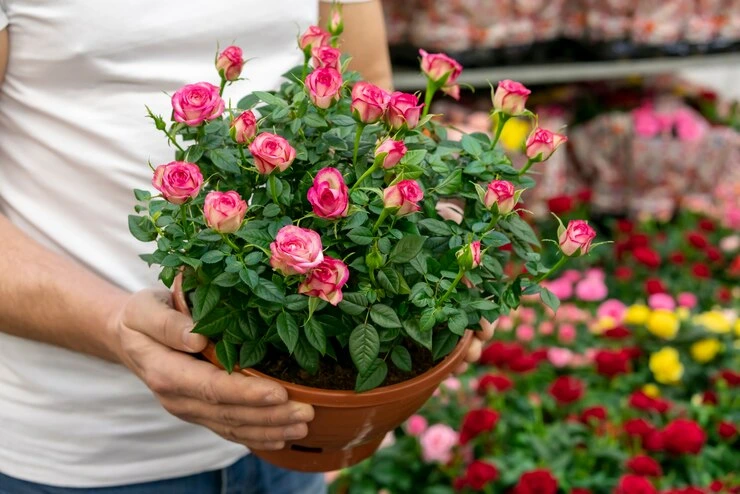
(326, 280)
(404, 196)
(229, 63)
(326, 57)
(395, 150)
(541, 143)
(329, 195)
(336, 23)
(577, 238)
(178, 181)
(468, 257)
(323, 87)
(313, 37)
(369, 102)
(224, 211)
(511, 97)
(270, 152)
(195, 103)
(243, 127)
(439, 67)
(296, 250)
(500, 193)
(404, 109)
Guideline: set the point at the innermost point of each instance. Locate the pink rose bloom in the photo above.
(403, 109)
(271, 152)
(369, 102)
(595, 273)
(546, 328)
(613, 309)
(561, 287)
(437, 443)
(394, 151)
(328, 195)
(559, 357)
(416, 425)
(591, 290)
(326, 57)
(452, 383)
(323, 87)
(572, 275)
(313, 37)
(405, 195)
(567, 334)
(195, 103)
(542, 143)
(326, 280)
(296, 250)
(689, 126)
(527, 315)
(230, 62)
(661, 301)
(224, 211)
(645, 122)
(500, 193)
(577, 238)
(525, 333)
(511, 97)
(688, 300)
(731, 217)
(178, 181)
(505, 323)
(438, 67)
(244, 127)
(730, 243)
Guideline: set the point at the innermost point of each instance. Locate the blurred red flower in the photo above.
(697, 240)
(645, 466)
(617, 333)
(731, 377)
(677, 258)
(476, 422)
(500, 353)
(639, 240)
(709, 398)
(477, 476)
(713, 254)
(523, 364)
(560, 204)
(625, 226)
(638, 427)
(654, 441)
(634, 484)
(683, 436)
(641, 401)
(496, 382)
(594, 415)
(701, 270)
(610, 363)
(707, 225)
(580, 490)
(647, 256)
(623, 273)
(654, 285)
(727, 430)
(536, 482)
(567, 389)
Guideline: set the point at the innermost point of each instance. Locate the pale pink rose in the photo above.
(511, 97)
(271, 152)
(595, 273)
(296, 250)
(452, 383)
(403, 110)
(439, 67)
(324, 87)
(326, 57)
(689, 126)
(328, 195)
(224, 211)
(572, 275)
(591, 290)
(590, 354)
(416, 425)
(645, 122)
(313, 37)
(178, 181)
(579, 361)
(500, 193)
(469, 256)
(577, 238)
(567, 334)
(244, 127)
(661, 301)
(437, 443)
(326, 280)
(369, 102)
(195, 103)
(542, 143)
(525, 333)
(731, 218)
(561, 287)
(505, 323)
(527, 315)
(612, 308)
(394, 151)
(546, 328)
(405, 196)
(559, 357)
(730, 243)
(687, 299)
(230, 63)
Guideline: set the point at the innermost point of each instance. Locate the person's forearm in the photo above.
(48, 298)
(365, 40)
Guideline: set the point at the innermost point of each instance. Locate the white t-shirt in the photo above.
(74, 142)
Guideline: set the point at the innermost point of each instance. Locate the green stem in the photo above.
(491, 225)
(383, 216)
(449, 291)
(557, 266)
(529, 164)
(367, 173)
(173, 141)
(358, 137)
(428, 96)
(230, 243)
(223, 86)
(273, 188)
(241, 154)
(502, 119)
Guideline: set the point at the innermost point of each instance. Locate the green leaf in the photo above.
(249, 277)
(357, 219)
(253, 258)
(194, 153)
(315, 335)
(436, 226)
(401, 358)
(342, 120)
(413, 157)
(364, 346)
(353, 304)
(216, 322)
(271, 210)
(252, 353)
(444, 342)
(424, 338)
(226, 354)
(226, 280)
(212, 256)
(142, 228)
(267, 290)
(495, 239)
(471, 145)
(209, 235)
(428, 319)
(388, 280)
(361, 235)
(205, 299)
(458, 322)
(482, 304)
(407, 248)
(142, 195)
(373, 378)
(549, 299)
(224, 160)
(314, 120)
(450, 184)
(306, 356)
(270, 99)
(288, 330)
(521, 229)
(296, 302)
(384, 316)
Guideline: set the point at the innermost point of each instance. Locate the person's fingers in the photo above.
(474, 350)
(248, 434)
(487, 329)
(193, 410)
(271, 446)
(462, 368)
(150, 312)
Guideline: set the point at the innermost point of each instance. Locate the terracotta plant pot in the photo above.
(347, 427)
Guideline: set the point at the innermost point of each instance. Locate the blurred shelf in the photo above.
(407, 79)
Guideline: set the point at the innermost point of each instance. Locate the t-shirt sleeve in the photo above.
(3, 17)
(347, 1)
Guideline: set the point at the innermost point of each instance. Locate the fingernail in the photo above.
(190, 340)
(295, 432)
(276, 396)
(302, 414)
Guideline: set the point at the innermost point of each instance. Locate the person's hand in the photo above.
(480, 339)
(154, 342)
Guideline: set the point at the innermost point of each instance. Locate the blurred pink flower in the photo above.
(730, 243)
(437, 443)
(579, 360)
(589, 354)
(732, 218)
(525, 333)
(561, 287)
(505, 323)
(567, 334)
(646, 122)
(689, 126)
(661, 301)
(687, 300)
(416, 425)
(612, 308)
(559, 357)
(591, 290)
(527, 315)
(546, 328)
(572, 275)
(595, 273)
(451, 383)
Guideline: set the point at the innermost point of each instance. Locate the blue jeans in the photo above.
(250, 475)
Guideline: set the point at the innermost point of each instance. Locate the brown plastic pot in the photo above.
(347, 426)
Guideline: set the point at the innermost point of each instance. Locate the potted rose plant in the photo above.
(300, 230)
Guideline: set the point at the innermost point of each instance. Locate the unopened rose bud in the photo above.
(500, 193)
(394, 152)
(224, 211)
(312, 38)
(244, 127)
(542, 143)
(374, 259)
(369, 102)
(576, 239)
(324, 87)
(511, 97)
(336, 22)
(230, 63)
(404, 197)
(469, 256)
(404, 110)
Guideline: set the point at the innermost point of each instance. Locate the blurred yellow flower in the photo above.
(663, 323)
(651, 390)
(666, 366)
(705, 350)
(603, 324)
(737, 328)
(637, 314)
(514, 134)
(683, 313)
(714, 321)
